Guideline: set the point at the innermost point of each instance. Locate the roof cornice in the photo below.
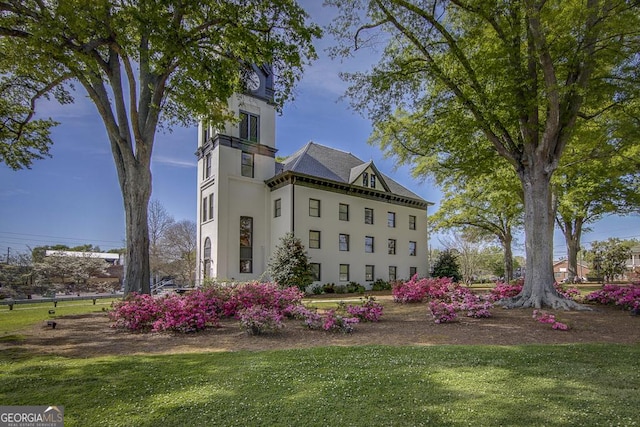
(290, 178)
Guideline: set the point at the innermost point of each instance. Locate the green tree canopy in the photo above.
(142, 63)
(472, 79)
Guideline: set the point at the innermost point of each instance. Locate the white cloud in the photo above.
(176, 162)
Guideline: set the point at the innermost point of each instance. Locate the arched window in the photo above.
(207, 258)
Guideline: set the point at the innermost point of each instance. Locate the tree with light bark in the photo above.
(515, 77)
(598, 176)
(179, 243)
(487, 206)
(159, 222)
(142, 64)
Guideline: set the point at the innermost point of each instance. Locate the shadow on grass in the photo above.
(370, 385)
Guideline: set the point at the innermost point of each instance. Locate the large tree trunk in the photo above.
(538, 290)
(136, 192)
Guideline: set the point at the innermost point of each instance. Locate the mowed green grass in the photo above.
(534, 385)
(563, 385)
(25, 315)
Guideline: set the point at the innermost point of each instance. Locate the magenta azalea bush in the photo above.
(443, 312)
(190, 313)
(202, 308)
(571, 293)
(549, 318)
(369, 311)
(416, 290)
(627, 297)
(505, 290)
(331, 321)
(445, 298)
(258, 319)
(260, 308)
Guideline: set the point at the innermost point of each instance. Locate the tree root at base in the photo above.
(547, 300)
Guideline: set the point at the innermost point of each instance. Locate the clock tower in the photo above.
(234, 162)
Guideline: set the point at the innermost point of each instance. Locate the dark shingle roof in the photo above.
(335, 165)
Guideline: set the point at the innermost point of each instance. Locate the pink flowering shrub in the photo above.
(266, 294)
(199, 309)
(628, 297)
(571, 293)
(137, 312)
(475, 306)
(258, 319)
(413, 290)
(311, 318)
(544, 317)
(443, 312)
(331, 321)
(505, 290)
(416, 290)
(189, 313)
(369, 311)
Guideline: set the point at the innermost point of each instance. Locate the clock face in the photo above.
(253, 81)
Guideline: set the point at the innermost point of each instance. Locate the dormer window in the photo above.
(249, 126)
(373, 181)
(365, 179)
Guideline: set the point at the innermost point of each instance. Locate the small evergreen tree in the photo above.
(289, 264)
(447, 266)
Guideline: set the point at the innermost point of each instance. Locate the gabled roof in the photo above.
(335, 165)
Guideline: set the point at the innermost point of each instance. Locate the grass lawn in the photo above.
(24, 315)
(564, 385)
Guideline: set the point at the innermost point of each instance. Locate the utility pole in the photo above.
(8, 249)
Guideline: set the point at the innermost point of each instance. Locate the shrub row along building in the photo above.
(357, 224)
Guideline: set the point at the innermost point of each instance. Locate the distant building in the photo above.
(633, 262)
(111, 258)
(561, 270)
(356, 223)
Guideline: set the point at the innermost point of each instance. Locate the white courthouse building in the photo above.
(357, 224)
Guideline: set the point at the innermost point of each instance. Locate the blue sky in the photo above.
(73, 198)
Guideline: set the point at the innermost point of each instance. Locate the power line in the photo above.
(42, 237)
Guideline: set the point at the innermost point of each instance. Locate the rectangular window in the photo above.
(314, 239)
(368, 216)
(344, 272)
(392, 272)
(249, 126)
(365, 179)
(412, 222)
(368, 273)
(391, 219)
(210, 206)
(315, 271)
(207, 166)
(246, 244)
(277, 208)
(314, 207)
(204, 209)
(373, 181)
(412, 248)
(413, 271)
(247, 164)
(344, 242)
(368, 244)
(392, 246)
(343, 212)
